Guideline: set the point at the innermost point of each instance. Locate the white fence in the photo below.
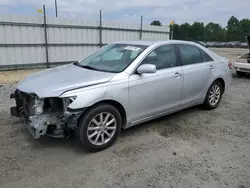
(29, 42)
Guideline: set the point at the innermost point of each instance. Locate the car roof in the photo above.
(155, 43)
(149, 43)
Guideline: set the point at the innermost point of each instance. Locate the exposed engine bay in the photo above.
(47, 116)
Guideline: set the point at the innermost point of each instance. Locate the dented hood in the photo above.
(55, 81)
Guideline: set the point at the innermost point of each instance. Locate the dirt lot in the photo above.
(192, 148)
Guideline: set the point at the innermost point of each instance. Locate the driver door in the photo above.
(155, 93)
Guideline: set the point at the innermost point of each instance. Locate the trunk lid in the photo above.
(246, 57)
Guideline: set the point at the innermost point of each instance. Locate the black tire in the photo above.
(207, 105)
(81, 131)
(240, 74)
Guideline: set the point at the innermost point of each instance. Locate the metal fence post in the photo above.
(56, 8)
(172, 36)
(100, 29)
(45, 36)
(141, 27)
(172, 32)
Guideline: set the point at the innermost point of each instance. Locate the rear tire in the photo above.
(213, 96)
(94, 133)
(240, 74)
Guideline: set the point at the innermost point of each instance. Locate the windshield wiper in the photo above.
(87, 67)
(91, 68)
(75, 63)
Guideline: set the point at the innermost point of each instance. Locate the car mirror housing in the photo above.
(146, 68)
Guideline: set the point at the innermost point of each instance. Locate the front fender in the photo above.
(87, 97)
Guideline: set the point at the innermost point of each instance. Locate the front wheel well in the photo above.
(222, 82)
(116, 104)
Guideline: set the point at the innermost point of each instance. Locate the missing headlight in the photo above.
(67, 101)
(53, 104)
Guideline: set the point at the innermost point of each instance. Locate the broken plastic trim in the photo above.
(75, 110)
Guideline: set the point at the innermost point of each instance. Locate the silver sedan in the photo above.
(121, 85)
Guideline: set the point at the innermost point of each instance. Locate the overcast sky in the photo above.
(130, 10)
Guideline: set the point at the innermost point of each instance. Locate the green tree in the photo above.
(197, 31)
(184, 30)
(176, 30)
(245, 28)
(234, 31)
(224, 34)
(214, 32)
(156, 22)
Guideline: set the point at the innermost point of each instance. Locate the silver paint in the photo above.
(143, 96)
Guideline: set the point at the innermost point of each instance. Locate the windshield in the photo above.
(112, 58)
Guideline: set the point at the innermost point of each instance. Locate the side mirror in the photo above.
(146, 68)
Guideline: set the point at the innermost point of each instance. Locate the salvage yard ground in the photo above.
(192, 148)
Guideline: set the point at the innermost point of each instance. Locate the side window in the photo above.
(162, 57)
(152, 54)
(189, 54)
(205, 56)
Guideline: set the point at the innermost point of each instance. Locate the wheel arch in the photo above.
(114, 103)
(222, 81)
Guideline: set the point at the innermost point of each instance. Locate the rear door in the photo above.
(198, 68)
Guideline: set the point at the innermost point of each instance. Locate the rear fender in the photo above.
(216, 78)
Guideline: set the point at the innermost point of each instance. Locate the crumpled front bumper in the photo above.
(35, 130)
(38, 125)
(50, 122)
(35, 124)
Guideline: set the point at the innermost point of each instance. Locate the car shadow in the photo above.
(163, 125)
(246, 76)
(69, 144)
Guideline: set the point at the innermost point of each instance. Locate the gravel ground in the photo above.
(192, 148)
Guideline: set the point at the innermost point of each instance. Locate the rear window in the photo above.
(205, 56)
(189, 54)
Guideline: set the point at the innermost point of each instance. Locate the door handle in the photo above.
(177, 74)
(211, 67)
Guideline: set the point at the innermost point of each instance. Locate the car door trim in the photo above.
(161, 114)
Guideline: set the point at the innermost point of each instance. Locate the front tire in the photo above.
(99, 127)
(213, 96)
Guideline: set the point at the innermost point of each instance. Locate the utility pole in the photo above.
(141, 27)
(100, 29)
(56, 8)
(45, 36)
(172, 32)
(172, 36)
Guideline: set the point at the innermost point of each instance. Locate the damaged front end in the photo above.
(46, 116)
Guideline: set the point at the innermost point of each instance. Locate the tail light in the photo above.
(230, 65)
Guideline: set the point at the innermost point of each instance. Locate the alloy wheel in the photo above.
(101, 128)
(214, 95)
